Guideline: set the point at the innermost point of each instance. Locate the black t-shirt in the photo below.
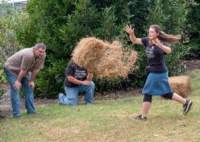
(75, 71)
(155, 56)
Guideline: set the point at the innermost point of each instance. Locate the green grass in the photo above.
(107, 121)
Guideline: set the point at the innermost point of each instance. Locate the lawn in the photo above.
(107, 121)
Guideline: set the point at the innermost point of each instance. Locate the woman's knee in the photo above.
(147, 98)
(168, 96)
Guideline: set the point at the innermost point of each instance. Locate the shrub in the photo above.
(61, 24)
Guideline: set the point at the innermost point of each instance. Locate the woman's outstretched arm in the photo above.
(132, 36)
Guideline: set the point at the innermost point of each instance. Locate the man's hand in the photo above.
(31, 84)
(89, 76)
(17, 85)
(78, 82)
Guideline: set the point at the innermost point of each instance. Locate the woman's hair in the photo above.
(165, 37)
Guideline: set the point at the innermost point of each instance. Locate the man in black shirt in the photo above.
(77, 81)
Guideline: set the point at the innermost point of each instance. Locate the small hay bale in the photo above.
(181, 85)
(104, 59)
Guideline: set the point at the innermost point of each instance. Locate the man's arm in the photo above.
(34, 74)
(76, 81)
(89, 76)
(33, 77)
(73, 80)
(21, 74)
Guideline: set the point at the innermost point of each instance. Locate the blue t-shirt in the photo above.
(75, 71)
(155, 56)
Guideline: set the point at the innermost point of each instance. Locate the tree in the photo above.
(171, 16)
(193, 28)
(60, 24)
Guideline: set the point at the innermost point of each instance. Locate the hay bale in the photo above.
(181, 85)
(104, 59)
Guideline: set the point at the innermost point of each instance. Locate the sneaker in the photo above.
(138, 117)
(187, 106)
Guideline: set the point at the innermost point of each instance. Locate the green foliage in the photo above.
(1, 92)
(45, 23)
(8, 40)
(2, 76)
(53, 74)
(9, 21)
(192, 18)
(124, 12)
(61, 24)
(138, 14)
(193, 28)
(194, 47)
(171, 16)
(173, 60)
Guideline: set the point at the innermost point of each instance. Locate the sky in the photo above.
(10, 1)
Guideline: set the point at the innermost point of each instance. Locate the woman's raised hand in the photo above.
(129, 29)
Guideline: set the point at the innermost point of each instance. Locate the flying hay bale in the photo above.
(181, 85)
(103, 58)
